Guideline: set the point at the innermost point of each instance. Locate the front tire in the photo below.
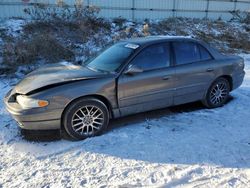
(85, 118)
(217, 94)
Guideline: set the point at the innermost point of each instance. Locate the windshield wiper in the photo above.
(98, 70)
(91, 68)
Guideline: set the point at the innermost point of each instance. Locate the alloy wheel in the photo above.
(219, 93)
(87, 120)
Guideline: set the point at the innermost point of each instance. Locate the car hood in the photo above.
(55, 74)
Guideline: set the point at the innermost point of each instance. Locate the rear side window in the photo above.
(205, 55)
(153, 57)
(186, 52)
(190, 52)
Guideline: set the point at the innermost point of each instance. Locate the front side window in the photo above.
(153, 57)
(186, 52)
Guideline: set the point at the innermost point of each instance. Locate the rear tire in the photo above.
(85, 118)
(217, 94)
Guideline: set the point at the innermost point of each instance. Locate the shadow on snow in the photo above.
(162, 136)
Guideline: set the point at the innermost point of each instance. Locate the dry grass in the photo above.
(53, 37)
(28, 51)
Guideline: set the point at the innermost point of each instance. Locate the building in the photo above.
(140, 9)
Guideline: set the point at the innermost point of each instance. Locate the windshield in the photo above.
(112, 58)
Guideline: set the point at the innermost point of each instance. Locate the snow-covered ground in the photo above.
(187, 146)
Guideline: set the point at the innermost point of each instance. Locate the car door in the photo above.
(194, 71)
(151, 88)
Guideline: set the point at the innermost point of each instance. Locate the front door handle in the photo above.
(210, 70)
(167, 77)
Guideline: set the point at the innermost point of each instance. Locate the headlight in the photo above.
(27, 103)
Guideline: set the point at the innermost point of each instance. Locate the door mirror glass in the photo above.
(133, 69)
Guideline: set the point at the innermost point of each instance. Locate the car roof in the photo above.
(156, 39)
(145, 41)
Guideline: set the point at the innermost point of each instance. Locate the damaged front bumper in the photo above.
(35, 118)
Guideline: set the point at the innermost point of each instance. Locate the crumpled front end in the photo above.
(32, 119)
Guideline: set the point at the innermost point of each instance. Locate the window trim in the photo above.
(171, 64)
(197, 44)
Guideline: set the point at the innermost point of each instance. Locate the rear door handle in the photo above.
(210, 70)
(167, 77)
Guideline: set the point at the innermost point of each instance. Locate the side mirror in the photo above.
(133, 70)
